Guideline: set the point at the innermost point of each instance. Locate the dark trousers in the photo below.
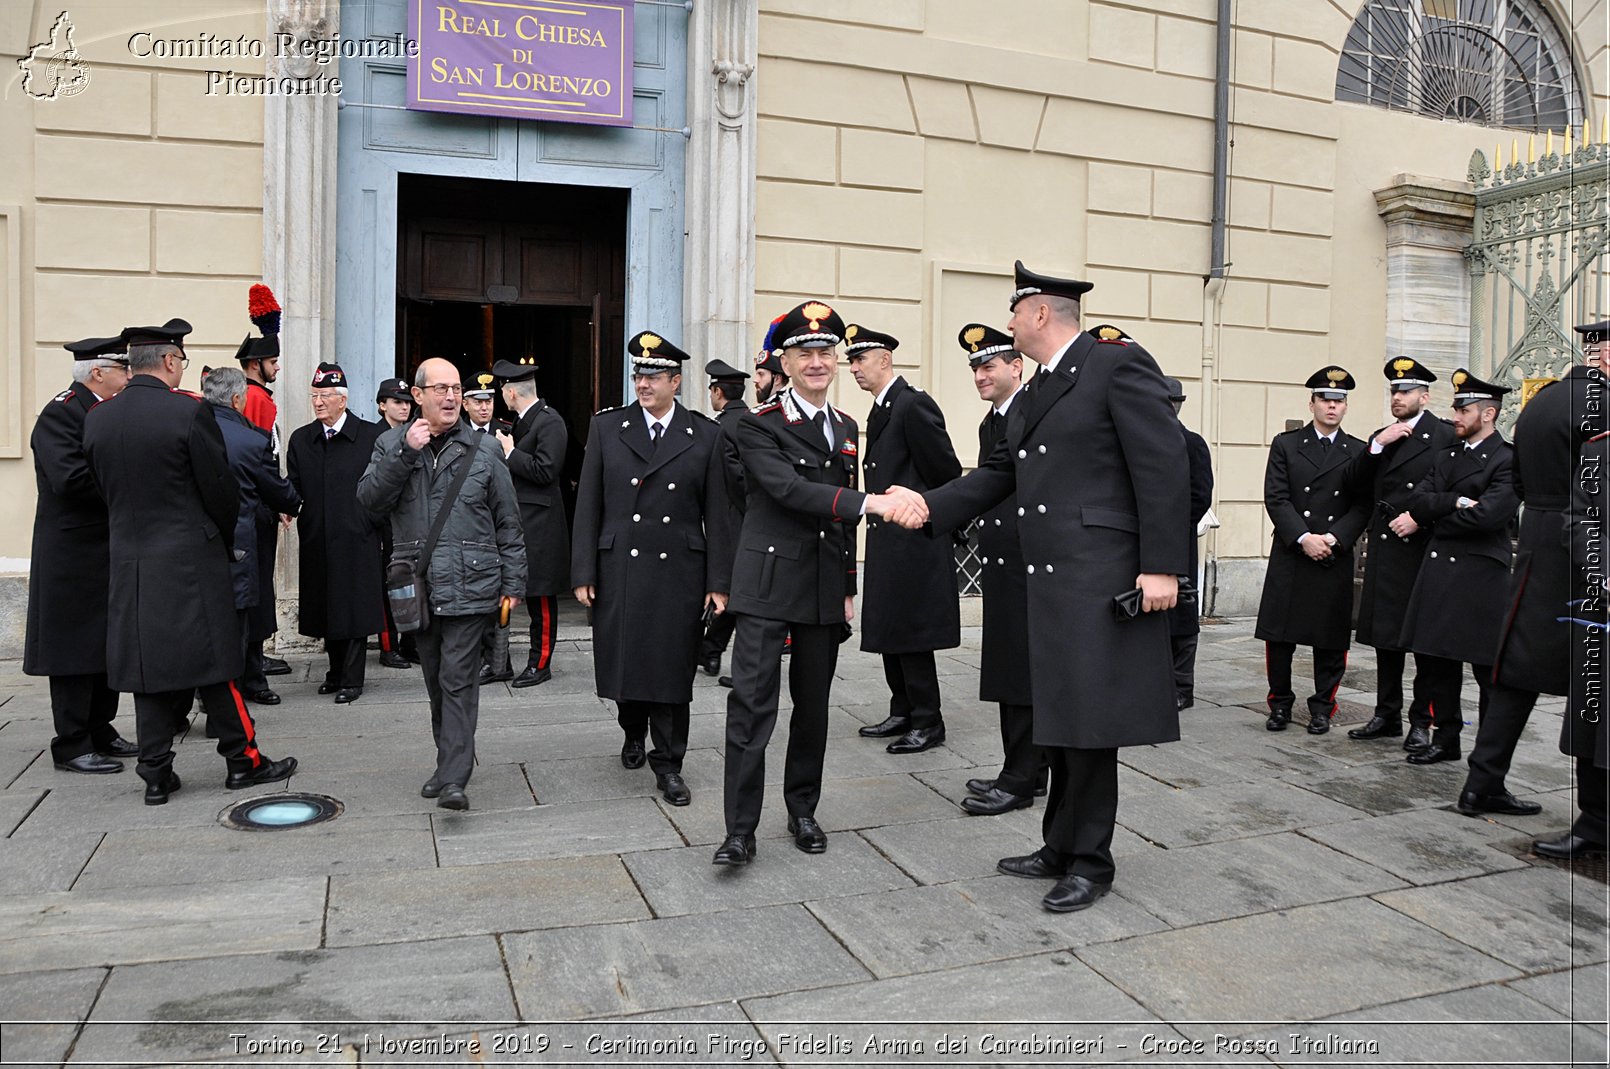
(913, 688)
(757, 652)
(157, 715)
(1502, 721)
(544, 613)
(495, 644)
(252, 676)
(1080, 811)
(83, 708)
(1592, 785)
(1389, 689)
(716, 636)
(1023, 769)
(667, 722)
(1184, 647)
(450, 657)
(1328, 668)
(1442, 680)
(346, 661)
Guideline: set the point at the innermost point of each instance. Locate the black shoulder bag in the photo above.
(406, 588)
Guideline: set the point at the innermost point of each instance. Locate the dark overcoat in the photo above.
(652, 536)
(1582, 733)
(68, 573)
(262, 489)
(342, 592)
(1003, 672)
(537, 465)
(732, 464)
(1098, 466)
(159, 460)
(1457, 605)
(796, 552)
(1533, 647)
(1310, 487)
(1186, 617)
(1389, 478)
(909, 600)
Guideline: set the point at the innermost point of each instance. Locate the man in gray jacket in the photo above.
(477, 563)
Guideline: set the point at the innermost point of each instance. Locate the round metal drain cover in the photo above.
(281, 812)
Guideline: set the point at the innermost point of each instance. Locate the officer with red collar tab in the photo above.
(159, 459)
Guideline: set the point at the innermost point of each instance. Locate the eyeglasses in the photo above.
(184, 361)
(325, 396)
(445, 389)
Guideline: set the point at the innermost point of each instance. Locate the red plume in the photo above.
(263, 309)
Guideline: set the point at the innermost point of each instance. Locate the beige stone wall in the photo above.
(921, 148)
(138, 199)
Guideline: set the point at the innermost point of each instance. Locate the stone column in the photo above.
(1428, 229)
(720, 211)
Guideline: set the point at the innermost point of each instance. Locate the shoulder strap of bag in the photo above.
(441, 514)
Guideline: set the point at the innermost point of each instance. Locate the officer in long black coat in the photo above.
(1185, 619)
(727, 385)
(651, 552)
(342, 591)
(535, 451)
(158, 458)
(909, 601)
(1399, 457)
(68, 572)
(1468, 501)
(1003, 672)
(1310, 495)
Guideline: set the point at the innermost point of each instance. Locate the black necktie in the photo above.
(819, 421)
(1324, 444)
(655, 431)
(329, 432)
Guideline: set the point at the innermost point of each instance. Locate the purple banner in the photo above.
(559, 60)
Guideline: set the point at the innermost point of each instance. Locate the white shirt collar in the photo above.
(1057, 359)
(810, 412)
(534, 403)
(1331, 437)
(1006, 404)
(664, 421)
(335, 428)
(878, 400)
(1415, 422)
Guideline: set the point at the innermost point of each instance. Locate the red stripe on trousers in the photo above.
(1333, 690)
(545, 653)
(246, 724)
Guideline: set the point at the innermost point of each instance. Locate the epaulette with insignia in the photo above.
(701, 415)
(770, 406)
(64, 395)
(1108, 333)
(612, 408)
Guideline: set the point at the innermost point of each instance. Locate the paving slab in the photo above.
(960, 848)
(684, 881)
(1234, 756)
(15, 805)
(389, 907)
(31, 865)
(116, 803)
(607, 970)
(74, 929)
(368, 793)
(1329, 959)
(1227, 811)
(355, 991)
(612, 826)
(1537, 918)
(585, 779)
(65, 995)
(1582, 994)
(14, 761)
(1426, 846)
(1393, 786)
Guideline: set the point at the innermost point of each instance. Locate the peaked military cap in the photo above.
(482, 386)
(329, 377)
(514, 371)
(1029, 283)
(652, 354)
(721, 371)
(1594, 333)
(1407, 373)
(1468, 389)
(813, 325)
(983, 343)
(393, 390)
(254, 348)
(1330, 383)
(170, 333)
(1176, 389)
(1108, 332)
(98, 349)
(859, 339)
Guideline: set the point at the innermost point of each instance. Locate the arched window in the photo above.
(1492, 62)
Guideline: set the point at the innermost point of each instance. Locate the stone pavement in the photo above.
(1281, 898)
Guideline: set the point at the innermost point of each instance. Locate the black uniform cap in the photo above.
(1028, 283)
(813, 325)
(1330, 383)
(254, 348)
(1407, 373)
(482, 386)
(329, 377)
(510, 371)
(170, 333)
(721, 371)
(652, 354)
(983, 343)
(1468, 389)
(97, 349)
(393, 390)
(1594, 333)
(860, 339)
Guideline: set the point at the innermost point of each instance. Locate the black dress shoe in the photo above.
(493, 675)
(996, 802)
(980, 786)
(262, 697)
(1074, 893)
(393, 659)
(531, 676)
(1031, 867)
(1318, 725)
(724, 681)
(267, 772)
(712, 665)
(452, 796)
(273, 666)
(1568, 847)
(327, 687)
(1379, 727)
(1039, 790)
(91, 764)
(1434, 753)
(887, 728)
(1183, 701)
(348, 694)
(157, 793)
(1418, 739)
(1278, 720)
(632, 755)
(430, 789)
(118, 747)
(808, 835)
(917, 740)
(673, 789)
(735, 850)
(1470, 804)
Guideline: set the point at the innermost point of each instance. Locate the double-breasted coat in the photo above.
(537, 466)
(1098, 467)
(342, 587)
(909, 600)
(1185, 618)
(737, 482)
(1457, 604)
(1003, 672)
(1583, 733)
(1309, 486)
(69, 573)
(159, 460)
(651, 535)
(1389, 479)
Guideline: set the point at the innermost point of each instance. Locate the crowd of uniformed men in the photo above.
(158, 513)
